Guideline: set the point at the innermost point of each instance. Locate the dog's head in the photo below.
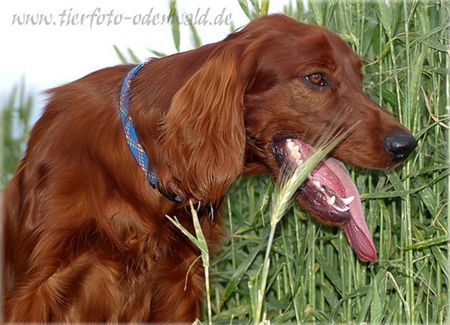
(261, 101)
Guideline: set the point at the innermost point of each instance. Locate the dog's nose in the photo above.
(399, 145)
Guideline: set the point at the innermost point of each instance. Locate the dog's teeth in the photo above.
(298, 161)
(317, 184)
(331, 200)
(293, 151)
(348, 200)
(344, 209)
(293, 147)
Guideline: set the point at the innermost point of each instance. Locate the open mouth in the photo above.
(328, 194)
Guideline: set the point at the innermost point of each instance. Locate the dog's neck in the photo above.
(133, 141)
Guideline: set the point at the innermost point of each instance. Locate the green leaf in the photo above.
(330, 272)
(264, 7)
(175, 24)
(133, 56)
(157, 53)
(245, 9)
(395, 180)
(428, 243)
(119, 53)
(186, 232)
(196, 41)
(243, 267)
(376, 308)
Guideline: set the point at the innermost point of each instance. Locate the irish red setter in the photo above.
(86, 237)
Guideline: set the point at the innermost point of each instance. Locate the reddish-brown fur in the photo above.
(86, 237)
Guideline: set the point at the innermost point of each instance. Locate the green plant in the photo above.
(15, 122)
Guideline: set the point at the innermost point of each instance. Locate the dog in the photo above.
(85, 233)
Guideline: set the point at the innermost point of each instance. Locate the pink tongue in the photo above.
(356, 229)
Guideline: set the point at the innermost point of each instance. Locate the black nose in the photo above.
(399, 145)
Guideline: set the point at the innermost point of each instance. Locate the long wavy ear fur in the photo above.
(203, 135)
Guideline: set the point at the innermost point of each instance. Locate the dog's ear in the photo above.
(203, 135)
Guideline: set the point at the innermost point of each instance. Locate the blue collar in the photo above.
(134, 144)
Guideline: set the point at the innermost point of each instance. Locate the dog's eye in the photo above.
(317, 79)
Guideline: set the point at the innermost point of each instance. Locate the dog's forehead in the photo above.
(323, 45)
(284, 44)
(293, 50)
(326, 48)
(316, 46)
